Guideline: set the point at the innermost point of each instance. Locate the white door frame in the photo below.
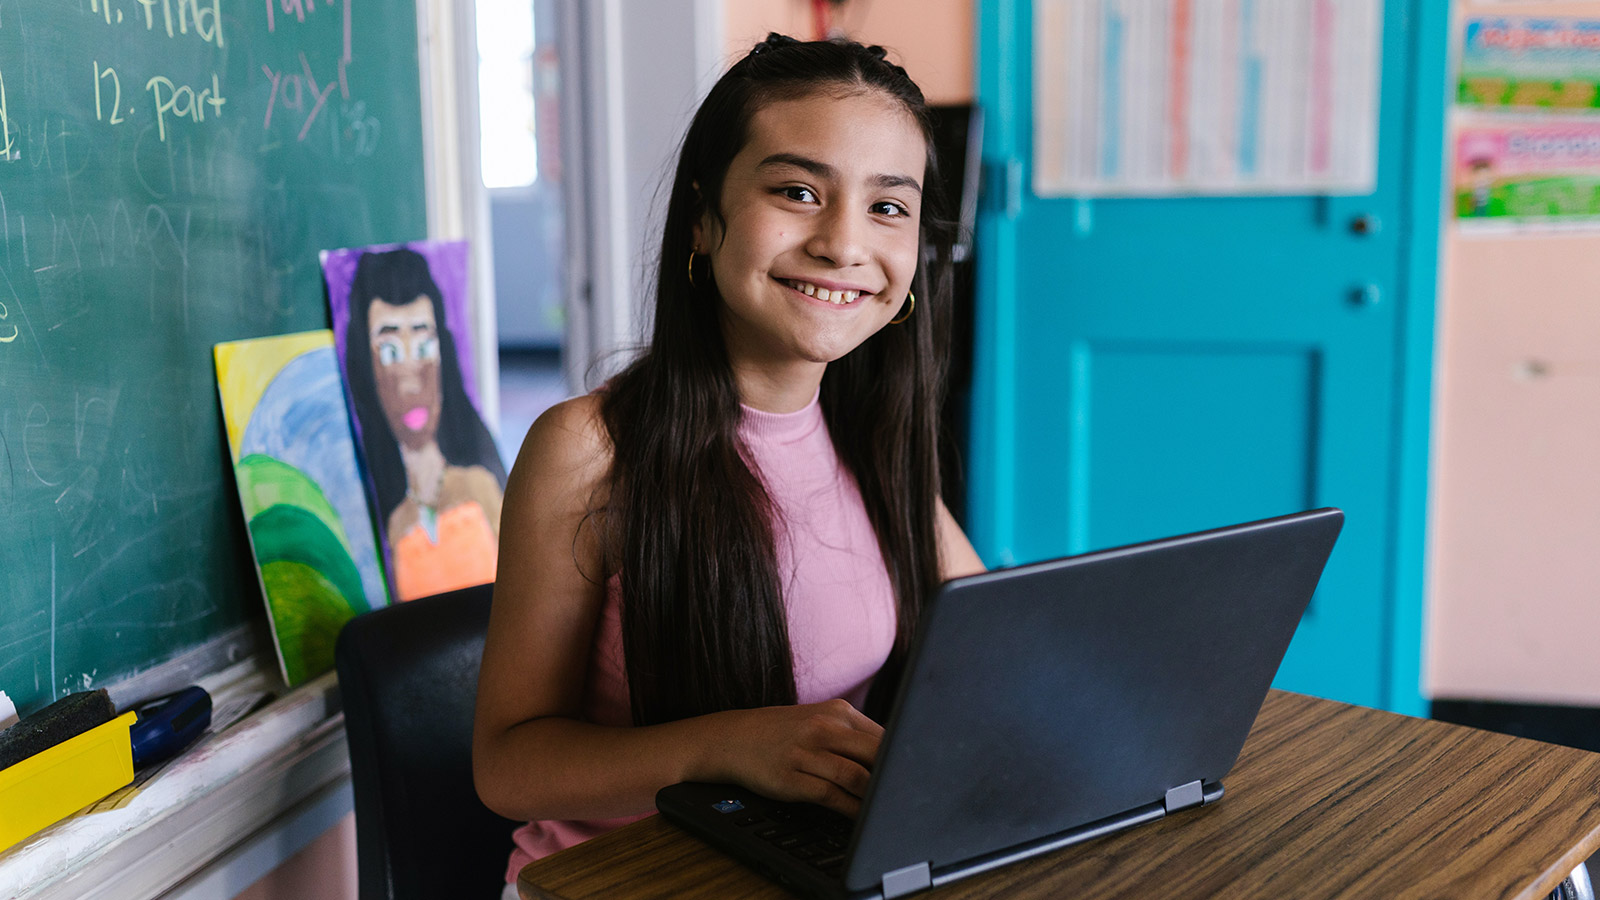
(633, 73)
(458, 203)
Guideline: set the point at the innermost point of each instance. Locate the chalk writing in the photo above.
(299, 8)
(33, 423)
(7, 337)
(16, 303)
(5, 125)
(116, 92)
(5, 447)
(207, 21)
(360, 129)
(45, 143)
(203, 18)
(291, 90)
(182, 102)
(104, 7)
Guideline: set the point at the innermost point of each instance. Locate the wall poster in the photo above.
(1519, 63)
(1176, 97)
(1527, 138)
(1514, 175)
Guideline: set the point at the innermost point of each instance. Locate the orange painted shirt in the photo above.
(465, 554)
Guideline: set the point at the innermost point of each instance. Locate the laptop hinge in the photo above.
(905, 881)
(1184, 796)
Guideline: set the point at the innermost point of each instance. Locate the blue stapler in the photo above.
(169, 724)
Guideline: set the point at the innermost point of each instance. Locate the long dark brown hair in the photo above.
(689, 525)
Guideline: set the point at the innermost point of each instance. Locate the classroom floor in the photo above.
(530, 383)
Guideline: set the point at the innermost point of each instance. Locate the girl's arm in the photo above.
(533, 758)
(956, 556)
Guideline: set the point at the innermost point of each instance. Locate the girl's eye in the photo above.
(887, 208)
(800, 194)
(390, 353)
(428, 349)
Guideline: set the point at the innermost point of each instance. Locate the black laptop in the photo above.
(1046, 705)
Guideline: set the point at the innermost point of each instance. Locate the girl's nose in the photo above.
(840, 238)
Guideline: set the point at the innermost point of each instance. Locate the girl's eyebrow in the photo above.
(829, 173)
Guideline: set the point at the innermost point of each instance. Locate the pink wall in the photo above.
(932, 38)
(1514, 565)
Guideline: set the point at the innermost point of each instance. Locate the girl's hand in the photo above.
(818, 753)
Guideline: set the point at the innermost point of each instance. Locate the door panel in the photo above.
(1192, 362)
(1230, 429)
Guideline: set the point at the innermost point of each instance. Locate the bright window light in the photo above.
(505, 92)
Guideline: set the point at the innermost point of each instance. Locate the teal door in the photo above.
(1147, 367)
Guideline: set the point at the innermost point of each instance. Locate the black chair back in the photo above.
(408, 675)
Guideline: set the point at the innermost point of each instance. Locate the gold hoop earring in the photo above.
(692, 254)
(909, 310)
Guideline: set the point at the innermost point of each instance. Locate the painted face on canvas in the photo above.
(818, 243)
(405, 364)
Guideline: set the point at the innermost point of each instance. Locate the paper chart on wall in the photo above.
(1528, 175)
(1526, 133)
(1514, 64)
(1176, 97)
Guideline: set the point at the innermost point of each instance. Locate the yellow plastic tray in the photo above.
(49, 786)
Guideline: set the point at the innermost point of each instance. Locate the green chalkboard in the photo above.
(168, 171)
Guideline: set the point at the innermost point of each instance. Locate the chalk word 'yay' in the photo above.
(182, 101)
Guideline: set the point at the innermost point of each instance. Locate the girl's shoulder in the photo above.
(569, 440)
(560, 482)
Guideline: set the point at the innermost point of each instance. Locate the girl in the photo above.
(711, 567)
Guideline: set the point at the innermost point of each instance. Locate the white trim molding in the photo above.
(458, 203)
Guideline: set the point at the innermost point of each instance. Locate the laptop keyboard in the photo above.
(811, 834)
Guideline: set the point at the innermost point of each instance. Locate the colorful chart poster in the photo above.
(294, 461)
(1174, 97)
(1525, 63)
(1517, 176)
(433, 470)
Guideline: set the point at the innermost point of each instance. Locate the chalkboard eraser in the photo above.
(54, 783)
(62, 720)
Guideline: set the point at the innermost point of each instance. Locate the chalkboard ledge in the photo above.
(282, 769)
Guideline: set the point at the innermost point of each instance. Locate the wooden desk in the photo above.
(1327, 800)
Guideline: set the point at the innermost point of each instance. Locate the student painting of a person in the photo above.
(712, 567)
(433, 465)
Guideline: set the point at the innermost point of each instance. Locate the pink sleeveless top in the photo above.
(840, 605)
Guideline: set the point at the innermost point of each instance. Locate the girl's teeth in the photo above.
(838, 298)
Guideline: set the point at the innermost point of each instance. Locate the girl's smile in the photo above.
(817, 242)
(827, 291)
